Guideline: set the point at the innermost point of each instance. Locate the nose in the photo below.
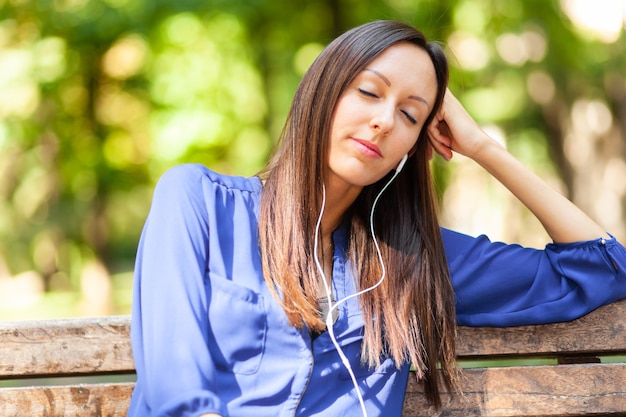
(383, 120)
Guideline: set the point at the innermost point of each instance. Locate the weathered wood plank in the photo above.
(102, 345)
(60, 347)
(560, 390)
(109, 400)
(565, 390)
(602, 331)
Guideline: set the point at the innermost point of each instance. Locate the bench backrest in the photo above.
(579, 382)
(588, 376)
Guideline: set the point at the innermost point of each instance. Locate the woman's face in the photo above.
(379, 117)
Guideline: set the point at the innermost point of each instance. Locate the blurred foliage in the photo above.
(99, 97)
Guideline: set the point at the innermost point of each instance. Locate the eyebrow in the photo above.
(388, 83)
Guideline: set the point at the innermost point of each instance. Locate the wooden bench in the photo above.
(577, 384)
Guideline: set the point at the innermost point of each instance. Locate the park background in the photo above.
(99, 97)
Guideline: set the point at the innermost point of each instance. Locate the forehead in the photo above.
(406, 66)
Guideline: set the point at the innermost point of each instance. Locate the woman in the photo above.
(311, 289)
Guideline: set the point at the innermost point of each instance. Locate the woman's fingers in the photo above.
(438, 134)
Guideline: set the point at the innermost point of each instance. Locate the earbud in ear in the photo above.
(402, 162)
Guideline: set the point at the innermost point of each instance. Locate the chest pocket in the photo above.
(237, 326)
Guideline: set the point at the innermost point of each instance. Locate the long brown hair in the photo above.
(411, 316)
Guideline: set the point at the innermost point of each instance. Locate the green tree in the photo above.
(99, 97)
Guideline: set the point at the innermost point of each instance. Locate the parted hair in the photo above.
(410, 317)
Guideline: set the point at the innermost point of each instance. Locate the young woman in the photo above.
(311, 289)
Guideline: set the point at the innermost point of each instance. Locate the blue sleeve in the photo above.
(497, 284)
(175, 370)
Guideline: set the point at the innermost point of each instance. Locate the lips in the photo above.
(368, 148)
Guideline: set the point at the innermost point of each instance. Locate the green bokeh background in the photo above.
(99, 97)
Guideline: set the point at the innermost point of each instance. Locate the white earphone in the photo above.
(402, 162)
(334, 305)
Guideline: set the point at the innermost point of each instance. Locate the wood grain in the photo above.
(65, 347)
(559, 390)
(79, 400)
(101, 346)
(602, 331)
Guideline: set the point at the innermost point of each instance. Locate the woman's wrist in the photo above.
(486, 151)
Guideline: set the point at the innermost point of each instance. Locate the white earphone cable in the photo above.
(332, 306)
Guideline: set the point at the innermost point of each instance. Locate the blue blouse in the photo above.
(208, 337)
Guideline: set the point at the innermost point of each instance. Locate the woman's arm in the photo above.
(176, 373)
(454, 129)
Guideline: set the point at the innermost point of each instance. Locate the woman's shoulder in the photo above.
(187, 177)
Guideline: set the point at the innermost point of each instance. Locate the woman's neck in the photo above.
(339, 198)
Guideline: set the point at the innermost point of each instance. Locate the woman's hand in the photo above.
(453, 129)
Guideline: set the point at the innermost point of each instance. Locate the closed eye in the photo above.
(410, 118)
(367, 93)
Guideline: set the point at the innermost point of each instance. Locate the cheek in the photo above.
(345, 112)
(421, 145)
(410, 139)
